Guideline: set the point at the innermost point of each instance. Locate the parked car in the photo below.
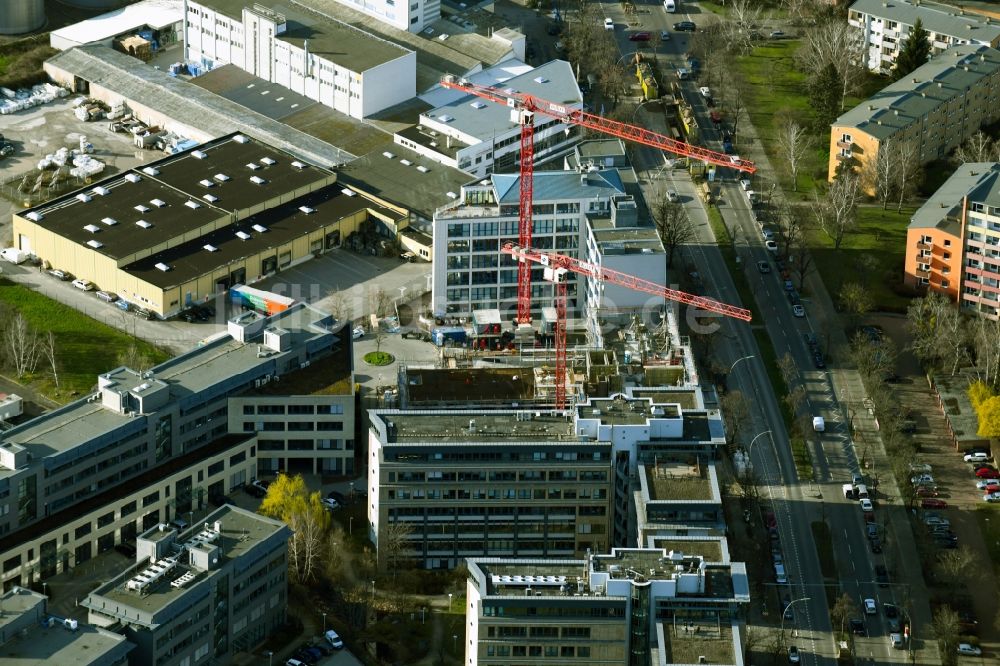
(330, 504)
(969, 650)
(881, 575)
(793, 655)
(978, 466)
(333, 639)
(83, 285)
(858, 627)
(927, 491)
(992, 497)
(876, 544)
(639, 37)
(763, 267)
(818, 361)
(771, 246)
(745, 184)
(987, 473)
(685, 26)
(798, 311)
(921, 479)
(337, 497)
(254, 491)
(664, 36)
(609, 24)
(870, 607)
(866, 505)
(989, 484)
(777, 34)
(972, 456)
(61, 275)
(931, 503)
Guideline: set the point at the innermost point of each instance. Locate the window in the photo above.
(150, 498)
(947, 243)
(128, 508)
(216, 468)
(82, 531)
(105, 520)
(238, 458)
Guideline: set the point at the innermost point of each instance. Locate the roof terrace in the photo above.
(678, 482)
(475, 426)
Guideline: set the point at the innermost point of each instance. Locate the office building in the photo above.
(469, 271)
(185, 228)
(678, 498)
(641, 606)
(480, 137)
(352, 71)
(29, 634)
(935, 108)
(885, 26)
(531, 482)
(161, 21)
(149, 447)
(953, 240)
(201, 595)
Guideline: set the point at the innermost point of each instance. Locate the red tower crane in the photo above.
(557, 268)
(523, 109)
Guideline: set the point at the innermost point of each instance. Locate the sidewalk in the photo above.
(847, 388)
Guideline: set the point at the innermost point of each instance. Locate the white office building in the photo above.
(885, 26)
(336, 64)
(469, 270)
(479, 136)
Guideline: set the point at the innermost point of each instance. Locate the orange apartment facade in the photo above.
(936, 107)
(953, 241)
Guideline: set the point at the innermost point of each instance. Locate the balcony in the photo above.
(923, 246)
(922, 272)
(841, 157)
(844, 144)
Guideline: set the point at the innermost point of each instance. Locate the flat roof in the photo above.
(708, 547)
(685, 397)
(85, 646)
(241, 531)
(628, 240)
(199, 109)
(953, 72)
(980, 181)
(421, 186)
(554, 81)
(452, 426)
(936, 18)
(156, 14)
(618, 410)
(688, 641)
(165, 200)
(435, 386)
(328, 37)
(677, 482)
(82, 422)
(559, 185)
(283, 224)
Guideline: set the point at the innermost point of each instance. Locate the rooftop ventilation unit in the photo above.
(198, 155)
(205, 182)
(451, 195)
(192, 204)
(298, 165)
(347, 192)
(95, 244)
(221, 177)
(160, 266)
(257, 180)
(422, 169)
(478, 105)
(210, 248)
(83, 197)
(133, 177)
(541, 79)
(267, 160)
(101, 191)
(151, 171)
(253, 166)
(159, 203)
(445, 118)
(388, 155)
(307, 210)
(405, 162)
(141, 208)
(34, 216)
(210, 198)
(92, 228)
(239, 138)
(259, 228)
(242, 235)
(110, 221)
(144, 224)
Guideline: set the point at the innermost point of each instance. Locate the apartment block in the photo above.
(190, 226)
(953, 240)
(642, 606)
(469, 271)
(339, 65)
(935, 108)
(147, 447)
(885, 26)
(481, 137)
(411, 16)
(678, 498)
(527, 482)
(201, 595)
(29, 634)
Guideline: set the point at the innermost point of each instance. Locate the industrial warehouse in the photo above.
(187, 227)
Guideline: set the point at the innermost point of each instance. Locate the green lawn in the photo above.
(880, 236)
(824, 548)
(84, 347)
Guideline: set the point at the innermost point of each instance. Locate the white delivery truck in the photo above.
(670, 6)
(14, 255)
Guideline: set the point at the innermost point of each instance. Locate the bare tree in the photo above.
(843, 609)
(735, 410)
(48, 347)
(132, 357)
(878, 174)
(855, 299)
(394, 543)
(875, 360)
(954, 565)
(796, 398)
(834, 42)
(907, 168)
(337, 305)
(946, 625)
(673, 225)
(789, 370)
(939, 337)
(836, 213)
(22, 344)
(735, 96)
(978, 148)
(794, 143)
(740, 31)
(986, 345)
(801, 260)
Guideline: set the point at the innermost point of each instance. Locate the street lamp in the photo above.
(373, 589)
(324, 622)
(785, 612)
(641, 104)
(744, 358)
(752, 441)
(449, 601)
(454, 642)
(423, 614)
(350, 525)
(268, 654)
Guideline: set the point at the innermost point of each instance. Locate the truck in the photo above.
(448, 335)
(14, 255)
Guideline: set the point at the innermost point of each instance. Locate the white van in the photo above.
(779, 574)
(670, 6)
(14, 255)
(819, 423)
(862, 491)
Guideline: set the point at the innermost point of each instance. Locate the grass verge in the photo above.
(84, 347)
(379, 358)
(824, 548)
(988, 517)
